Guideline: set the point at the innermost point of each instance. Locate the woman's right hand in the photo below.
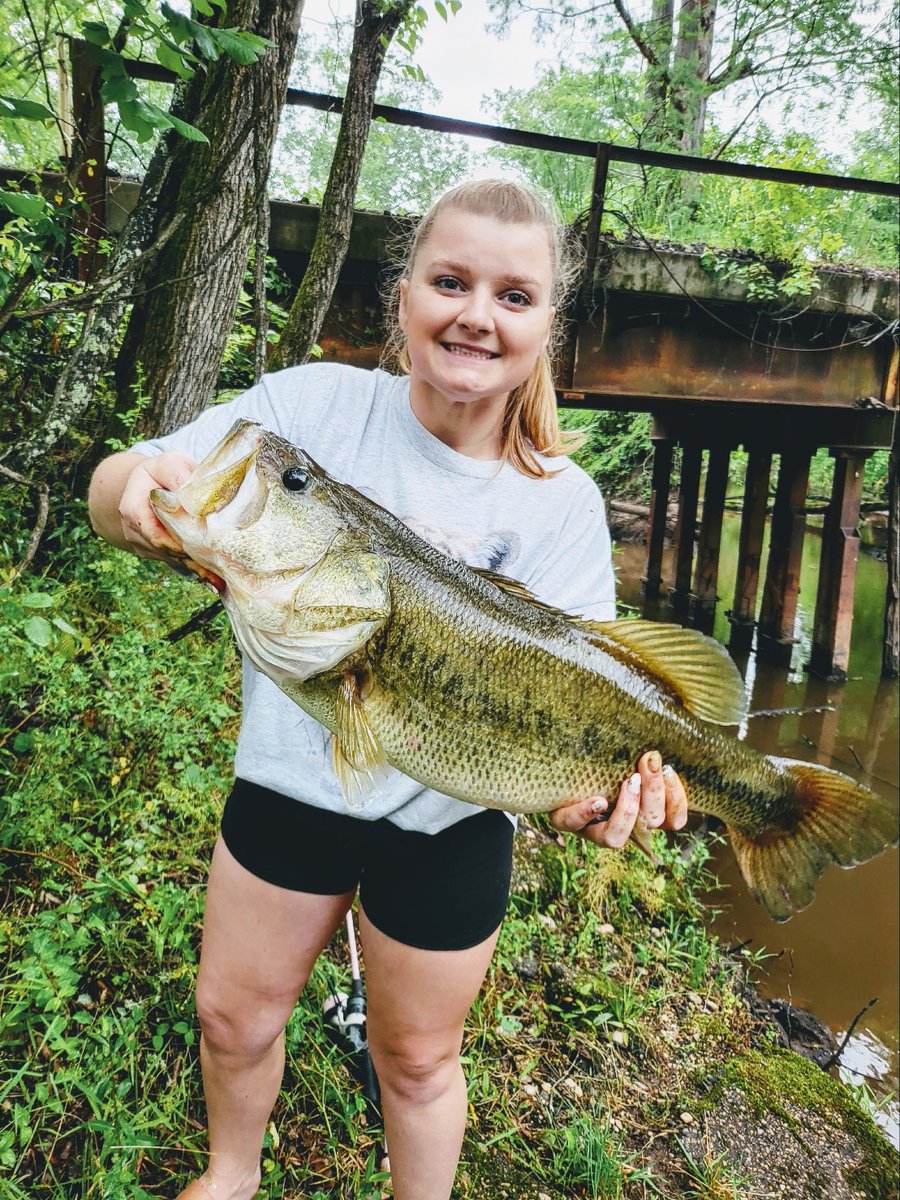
(143, 532)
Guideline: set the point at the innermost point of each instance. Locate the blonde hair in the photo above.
(530, 422)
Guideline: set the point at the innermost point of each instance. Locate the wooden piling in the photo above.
(706, 573)
(782, 586)
(686, 526)
(753, 525)
(837, 570)
(890, 655)
(651, 580)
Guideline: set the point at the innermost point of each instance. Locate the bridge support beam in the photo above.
(706, 573)
(651, 580)
(837, 572)
(686, 526)
(782, 587)
(753, 524)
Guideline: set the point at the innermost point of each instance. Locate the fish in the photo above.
(459, 678)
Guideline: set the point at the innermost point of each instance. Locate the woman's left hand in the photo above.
(653, 795)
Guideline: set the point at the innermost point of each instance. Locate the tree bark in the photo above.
(187, 297)
(691, 67)
(662, 35)
(375, 27)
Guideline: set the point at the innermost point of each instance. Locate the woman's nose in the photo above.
(476, 313)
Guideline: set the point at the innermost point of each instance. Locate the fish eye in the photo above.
(295, 479)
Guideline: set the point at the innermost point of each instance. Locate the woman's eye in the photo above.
(447, 283)
(517, 299)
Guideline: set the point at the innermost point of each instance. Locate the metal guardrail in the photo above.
(579, 147)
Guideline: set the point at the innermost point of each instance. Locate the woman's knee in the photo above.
(240, 1030)
(419, 1074)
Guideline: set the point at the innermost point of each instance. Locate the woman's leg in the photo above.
(259, 945)
(417, 1004)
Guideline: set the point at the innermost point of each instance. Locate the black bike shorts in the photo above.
(434, 891)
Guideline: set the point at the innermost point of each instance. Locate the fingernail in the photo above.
(634, 784)
(654, 762)
(668, 771)
(599, 805)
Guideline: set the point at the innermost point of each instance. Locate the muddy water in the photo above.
(842, 951)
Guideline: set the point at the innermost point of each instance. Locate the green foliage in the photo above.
(617, 451)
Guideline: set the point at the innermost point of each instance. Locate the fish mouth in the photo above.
(460, 350)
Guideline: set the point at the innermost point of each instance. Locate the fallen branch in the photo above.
(40, 525)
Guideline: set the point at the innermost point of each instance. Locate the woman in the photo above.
(462, 448)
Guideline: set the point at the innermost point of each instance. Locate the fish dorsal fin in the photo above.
(695, 669)
(513, 587)
(356, 754)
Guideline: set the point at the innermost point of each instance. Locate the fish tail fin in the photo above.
(833, 819)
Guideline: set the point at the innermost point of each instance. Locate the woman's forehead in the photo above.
(519, 251)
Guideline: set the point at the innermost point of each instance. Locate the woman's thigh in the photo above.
(418, 1000)
(260, 941)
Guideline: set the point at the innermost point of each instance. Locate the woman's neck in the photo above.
(470, 427)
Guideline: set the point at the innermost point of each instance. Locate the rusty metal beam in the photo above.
(563, 145)
(753, 525)
(660, 483)
(706, 573)
(686, 526)
(782, 586)
(833, 619)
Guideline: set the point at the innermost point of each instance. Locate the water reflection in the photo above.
(842, 951)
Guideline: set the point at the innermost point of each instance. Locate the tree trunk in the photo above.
(179, 324)
(375, 27)
(656, 88)
(93, 354)
(691, 68)
(890, 662)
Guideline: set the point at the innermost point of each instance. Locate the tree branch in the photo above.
(645, 48)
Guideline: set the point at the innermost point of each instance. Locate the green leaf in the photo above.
(204, 41)
(22, 742)
(63, 624)
(97, 32)
(244, 48)
(37, 600)
(119, 89)
(134, 117)
(191, 132)
(39, 631)
(23, 204)
(28, 110)
(440, 10)
(168, 55)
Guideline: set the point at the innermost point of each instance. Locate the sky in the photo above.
(463, 61)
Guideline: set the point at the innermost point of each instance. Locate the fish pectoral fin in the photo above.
(356, 754)
(693, 668)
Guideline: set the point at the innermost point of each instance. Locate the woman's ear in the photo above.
(401, 307)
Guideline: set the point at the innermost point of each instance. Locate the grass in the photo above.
(606, 1001)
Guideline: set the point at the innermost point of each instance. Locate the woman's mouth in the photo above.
(463, 351)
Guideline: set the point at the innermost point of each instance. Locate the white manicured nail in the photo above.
(598, 805)
(634, 784)
(668, 771)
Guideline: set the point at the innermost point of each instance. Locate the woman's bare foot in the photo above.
(210, 1187)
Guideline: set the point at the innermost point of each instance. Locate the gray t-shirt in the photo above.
(550, 534)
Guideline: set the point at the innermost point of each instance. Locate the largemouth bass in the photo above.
(462, 680)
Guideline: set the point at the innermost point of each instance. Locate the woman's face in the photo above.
(476, 309)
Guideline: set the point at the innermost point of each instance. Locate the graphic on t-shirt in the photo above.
(490, 551)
